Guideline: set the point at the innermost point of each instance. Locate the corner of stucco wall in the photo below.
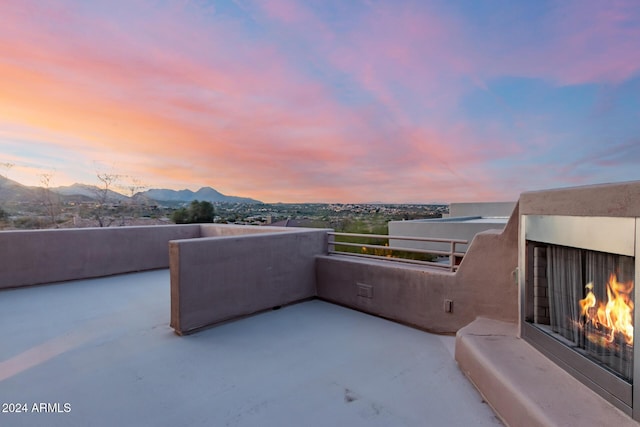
(511, 229)
(485, 281)
(174, 272)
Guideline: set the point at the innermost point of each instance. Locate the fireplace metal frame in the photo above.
(605, 234)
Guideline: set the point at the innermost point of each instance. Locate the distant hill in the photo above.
(12, 191)
(205, 193)
(90, 191)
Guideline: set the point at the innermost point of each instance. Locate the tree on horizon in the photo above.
(196, 212)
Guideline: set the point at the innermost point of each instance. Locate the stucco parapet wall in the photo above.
(484, 285)
(31, 257)
(614, 200)
(220, 230)
(215, 279)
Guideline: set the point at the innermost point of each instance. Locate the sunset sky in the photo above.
(323, 101)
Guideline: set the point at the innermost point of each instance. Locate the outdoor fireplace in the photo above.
(578, 299)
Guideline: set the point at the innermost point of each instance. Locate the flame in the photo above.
(616, 315)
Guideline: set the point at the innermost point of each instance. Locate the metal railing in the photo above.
(388, 251)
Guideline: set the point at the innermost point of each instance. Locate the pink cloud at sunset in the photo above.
(345, 101)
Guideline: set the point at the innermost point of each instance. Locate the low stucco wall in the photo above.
(484, 284)
(219, 230)
(34, 257)
(219, 278)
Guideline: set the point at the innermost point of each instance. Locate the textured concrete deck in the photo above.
(103, 349)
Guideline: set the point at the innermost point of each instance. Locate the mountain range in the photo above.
(205, 193)
(12, 191)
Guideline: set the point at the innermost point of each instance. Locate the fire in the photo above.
(616, 315)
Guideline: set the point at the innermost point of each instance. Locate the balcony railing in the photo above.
(396, 253)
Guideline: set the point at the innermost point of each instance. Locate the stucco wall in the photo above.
(616, 200)
(219, 278)
(44, 256)
(218, 230)
(484, 285)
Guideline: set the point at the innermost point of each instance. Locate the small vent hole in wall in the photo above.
(365, 291)
(448, 306)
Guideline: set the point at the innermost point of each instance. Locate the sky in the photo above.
(395, 101)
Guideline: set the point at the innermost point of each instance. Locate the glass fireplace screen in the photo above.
(584, 298)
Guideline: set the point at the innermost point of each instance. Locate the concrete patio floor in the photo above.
(103, 350)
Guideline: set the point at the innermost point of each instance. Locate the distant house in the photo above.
(464, 221)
